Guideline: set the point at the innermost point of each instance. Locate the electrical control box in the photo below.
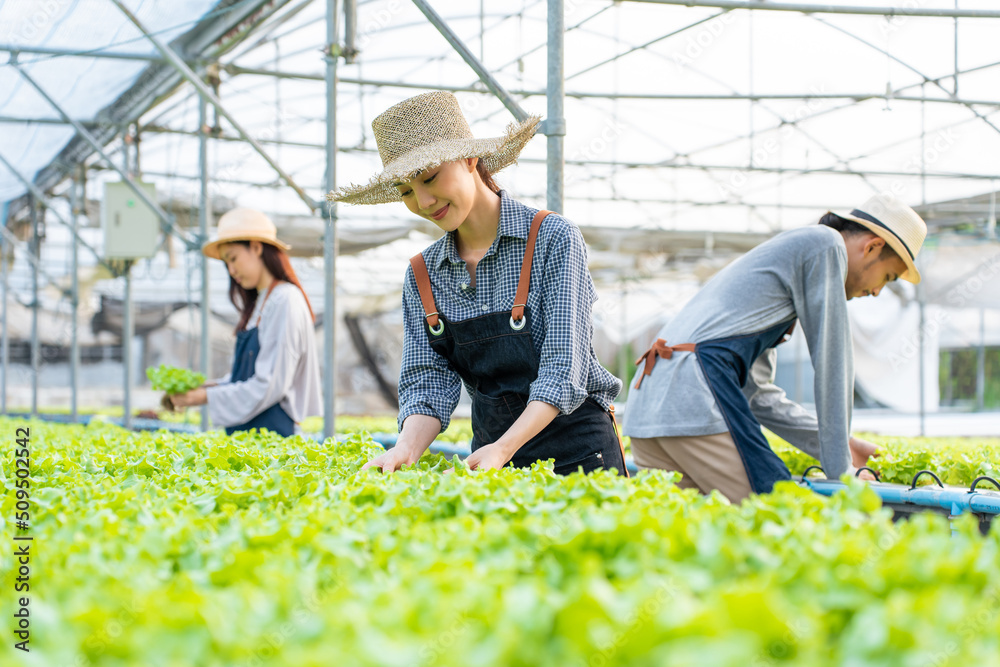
(131, 228)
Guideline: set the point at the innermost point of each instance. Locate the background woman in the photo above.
(275, 381)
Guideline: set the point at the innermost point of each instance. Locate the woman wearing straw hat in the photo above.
(502, 302)
(274, 382)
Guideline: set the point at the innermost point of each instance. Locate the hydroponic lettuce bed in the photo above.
(176, 549)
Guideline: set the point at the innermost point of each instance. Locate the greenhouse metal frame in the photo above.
(170, 69)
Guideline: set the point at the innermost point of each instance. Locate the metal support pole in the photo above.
(126, 153)
(165, 221)
(36, 355)
(77, 205)
(203, 231)
(981, 363)
(128, 332)
(473, 62)
(350, 31)
(206, 93)
(955, 91)
(555, 124)
(4, 343)
(991, 221)
(920, 366)
(807, 8)
(921, 289)
(330, 234)
(236, 70)
(92, 53)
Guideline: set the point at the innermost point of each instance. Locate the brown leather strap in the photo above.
(424, 287)
(659, 349)
(521, 297)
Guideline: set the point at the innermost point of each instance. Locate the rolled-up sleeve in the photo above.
(568, 298)
(234, 403)
(822, 308)
(427, 384)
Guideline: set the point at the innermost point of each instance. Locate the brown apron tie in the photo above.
(520, 297)
(659, 349)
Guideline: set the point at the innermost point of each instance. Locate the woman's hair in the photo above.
(276, 261)
(487, 177)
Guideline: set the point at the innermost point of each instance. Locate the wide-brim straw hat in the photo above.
(424, 132)
(896, 223)
(243, 224)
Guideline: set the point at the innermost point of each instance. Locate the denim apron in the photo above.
(273, 418)
(495, 356)
(725, 363)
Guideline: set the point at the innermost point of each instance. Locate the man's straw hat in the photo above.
(243, 224)
(898, 224)
(423, 132)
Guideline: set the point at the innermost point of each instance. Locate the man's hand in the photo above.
(488, 457)
(862, 451)
(392, 460)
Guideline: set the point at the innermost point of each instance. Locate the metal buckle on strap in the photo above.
(439, 329)
(519, 324)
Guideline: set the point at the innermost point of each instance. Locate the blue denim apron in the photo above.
(725, 363)
(273, 418)
(495, 356)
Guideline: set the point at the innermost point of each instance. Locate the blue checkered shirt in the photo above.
(561, 292)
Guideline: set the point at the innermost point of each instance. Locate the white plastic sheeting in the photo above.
(710, 156)
(81, 85)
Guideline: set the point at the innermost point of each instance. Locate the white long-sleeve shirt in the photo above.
(286, 369)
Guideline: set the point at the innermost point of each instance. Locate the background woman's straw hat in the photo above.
(423, 132)
(243, 224)
(896, 223)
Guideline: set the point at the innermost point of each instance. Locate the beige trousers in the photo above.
(706, 461)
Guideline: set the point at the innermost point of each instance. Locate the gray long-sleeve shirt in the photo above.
(798, 273)
(286, 370)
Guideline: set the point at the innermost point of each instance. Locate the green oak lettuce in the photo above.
(182, 549)
(173, 380)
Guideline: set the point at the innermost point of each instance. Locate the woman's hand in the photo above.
(417, 434)
(167, 404)
(393, 459)
(189, 398)
(489, 457)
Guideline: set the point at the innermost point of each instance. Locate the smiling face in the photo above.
(869, 267)
(244, 263)
(444, 195)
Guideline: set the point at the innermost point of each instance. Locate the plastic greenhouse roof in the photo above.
(81, 85)
(660, 133)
